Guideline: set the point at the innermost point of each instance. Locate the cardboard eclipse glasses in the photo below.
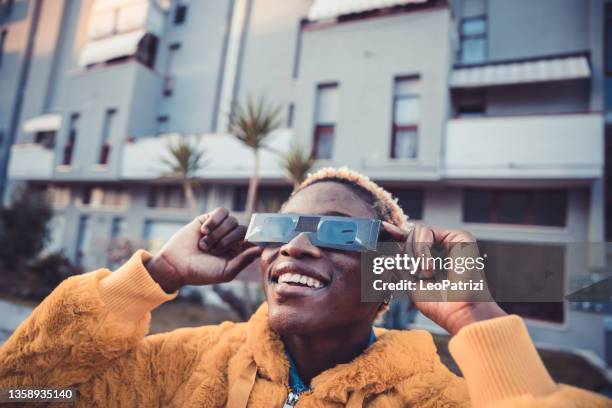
(344, 233)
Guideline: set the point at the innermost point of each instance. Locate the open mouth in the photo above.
(290, 275)
(296, 279)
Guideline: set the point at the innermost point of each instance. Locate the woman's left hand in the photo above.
(450, 315)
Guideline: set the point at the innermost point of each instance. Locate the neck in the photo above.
(315, 353)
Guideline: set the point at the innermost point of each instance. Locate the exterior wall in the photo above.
(364, 57)
(197, 67)
(271, 51)
(41, 70)
(90, 93)
(17, 26)
(537, 28)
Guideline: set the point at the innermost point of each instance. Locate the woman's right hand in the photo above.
(208, 250)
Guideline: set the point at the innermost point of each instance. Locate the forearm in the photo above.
(83, 325)
(502, 368)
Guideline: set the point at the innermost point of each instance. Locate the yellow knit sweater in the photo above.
(90, 334)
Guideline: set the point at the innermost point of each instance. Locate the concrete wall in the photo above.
(17, 26)
(537, 28)
(197, 65)
(364, 57)
(270, 51)
(90, 94)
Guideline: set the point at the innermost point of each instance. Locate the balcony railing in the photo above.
(30, 162)
(226, 158)
(561, 146)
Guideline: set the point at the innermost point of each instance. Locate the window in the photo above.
(527, 207)
(290, 113)
(45, 138)
(180, 14)
(118, 228)
(410, 199)
(147, 50)
(406, 115)
(83, 239)
(72, 137)
(239, 198)
(326, 115)
(109, 197)
(106, 130)
(59, 197)
(166, 197)
(3, 35)
(470, 103)
(473, 38)
(169, 78)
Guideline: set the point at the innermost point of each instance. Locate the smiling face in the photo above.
(332, 298)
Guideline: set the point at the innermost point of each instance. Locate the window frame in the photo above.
(493, 216)
(175, 19)
(320, 127)
(70, 144)
(395, 127)
(484, 36)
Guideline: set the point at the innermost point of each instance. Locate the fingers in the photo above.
(241, 261)
(225, 227)
(212, 220)
(396, 233)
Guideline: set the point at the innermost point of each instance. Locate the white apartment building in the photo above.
(486, 115)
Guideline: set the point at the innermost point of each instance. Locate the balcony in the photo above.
(226, 158)
(563, 146)
(30, 162)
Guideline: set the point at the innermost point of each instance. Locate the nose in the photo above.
(300, 247)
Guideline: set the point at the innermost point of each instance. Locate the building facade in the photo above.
(485, 115)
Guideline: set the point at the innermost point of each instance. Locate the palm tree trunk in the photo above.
(253, 182)
(190, 197)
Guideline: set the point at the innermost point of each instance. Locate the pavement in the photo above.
(11, 315)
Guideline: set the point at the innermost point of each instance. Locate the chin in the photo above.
(287, 320)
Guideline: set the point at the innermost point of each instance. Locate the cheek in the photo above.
(347, 268)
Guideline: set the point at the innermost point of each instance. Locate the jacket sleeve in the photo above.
(89, 334)
(503, 369)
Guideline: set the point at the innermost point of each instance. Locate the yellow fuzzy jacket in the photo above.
(90, 334)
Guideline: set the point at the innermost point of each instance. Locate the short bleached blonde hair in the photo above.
(385, 205)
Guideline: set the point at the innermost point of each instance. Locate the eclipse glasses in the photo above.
(345, 233)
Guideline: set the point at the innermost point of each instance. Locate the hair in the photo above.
(382, 202)
(384, 205)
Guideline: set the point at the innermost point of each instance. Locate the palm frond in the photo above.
(297, 162)
(184, 157)
(253, 121)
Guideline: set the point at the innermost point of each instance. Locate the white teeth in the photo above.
(301, 279)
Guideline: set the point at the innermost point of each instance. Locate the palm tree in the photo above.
(252, 123)
(186, 158)
(297, 163)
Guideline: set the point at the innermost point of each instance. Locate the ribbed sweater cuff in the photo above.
(499, 361)
(130, 291)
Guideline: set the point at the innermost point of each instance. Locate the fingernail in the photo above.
(203, 244)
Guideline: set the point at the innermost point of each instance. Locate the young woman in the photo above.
(309, 345)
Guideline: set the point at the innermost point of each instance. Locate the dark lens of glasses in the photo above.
(337, 232)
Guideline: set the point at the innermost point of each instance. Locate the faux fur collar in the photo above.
(393, 358)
